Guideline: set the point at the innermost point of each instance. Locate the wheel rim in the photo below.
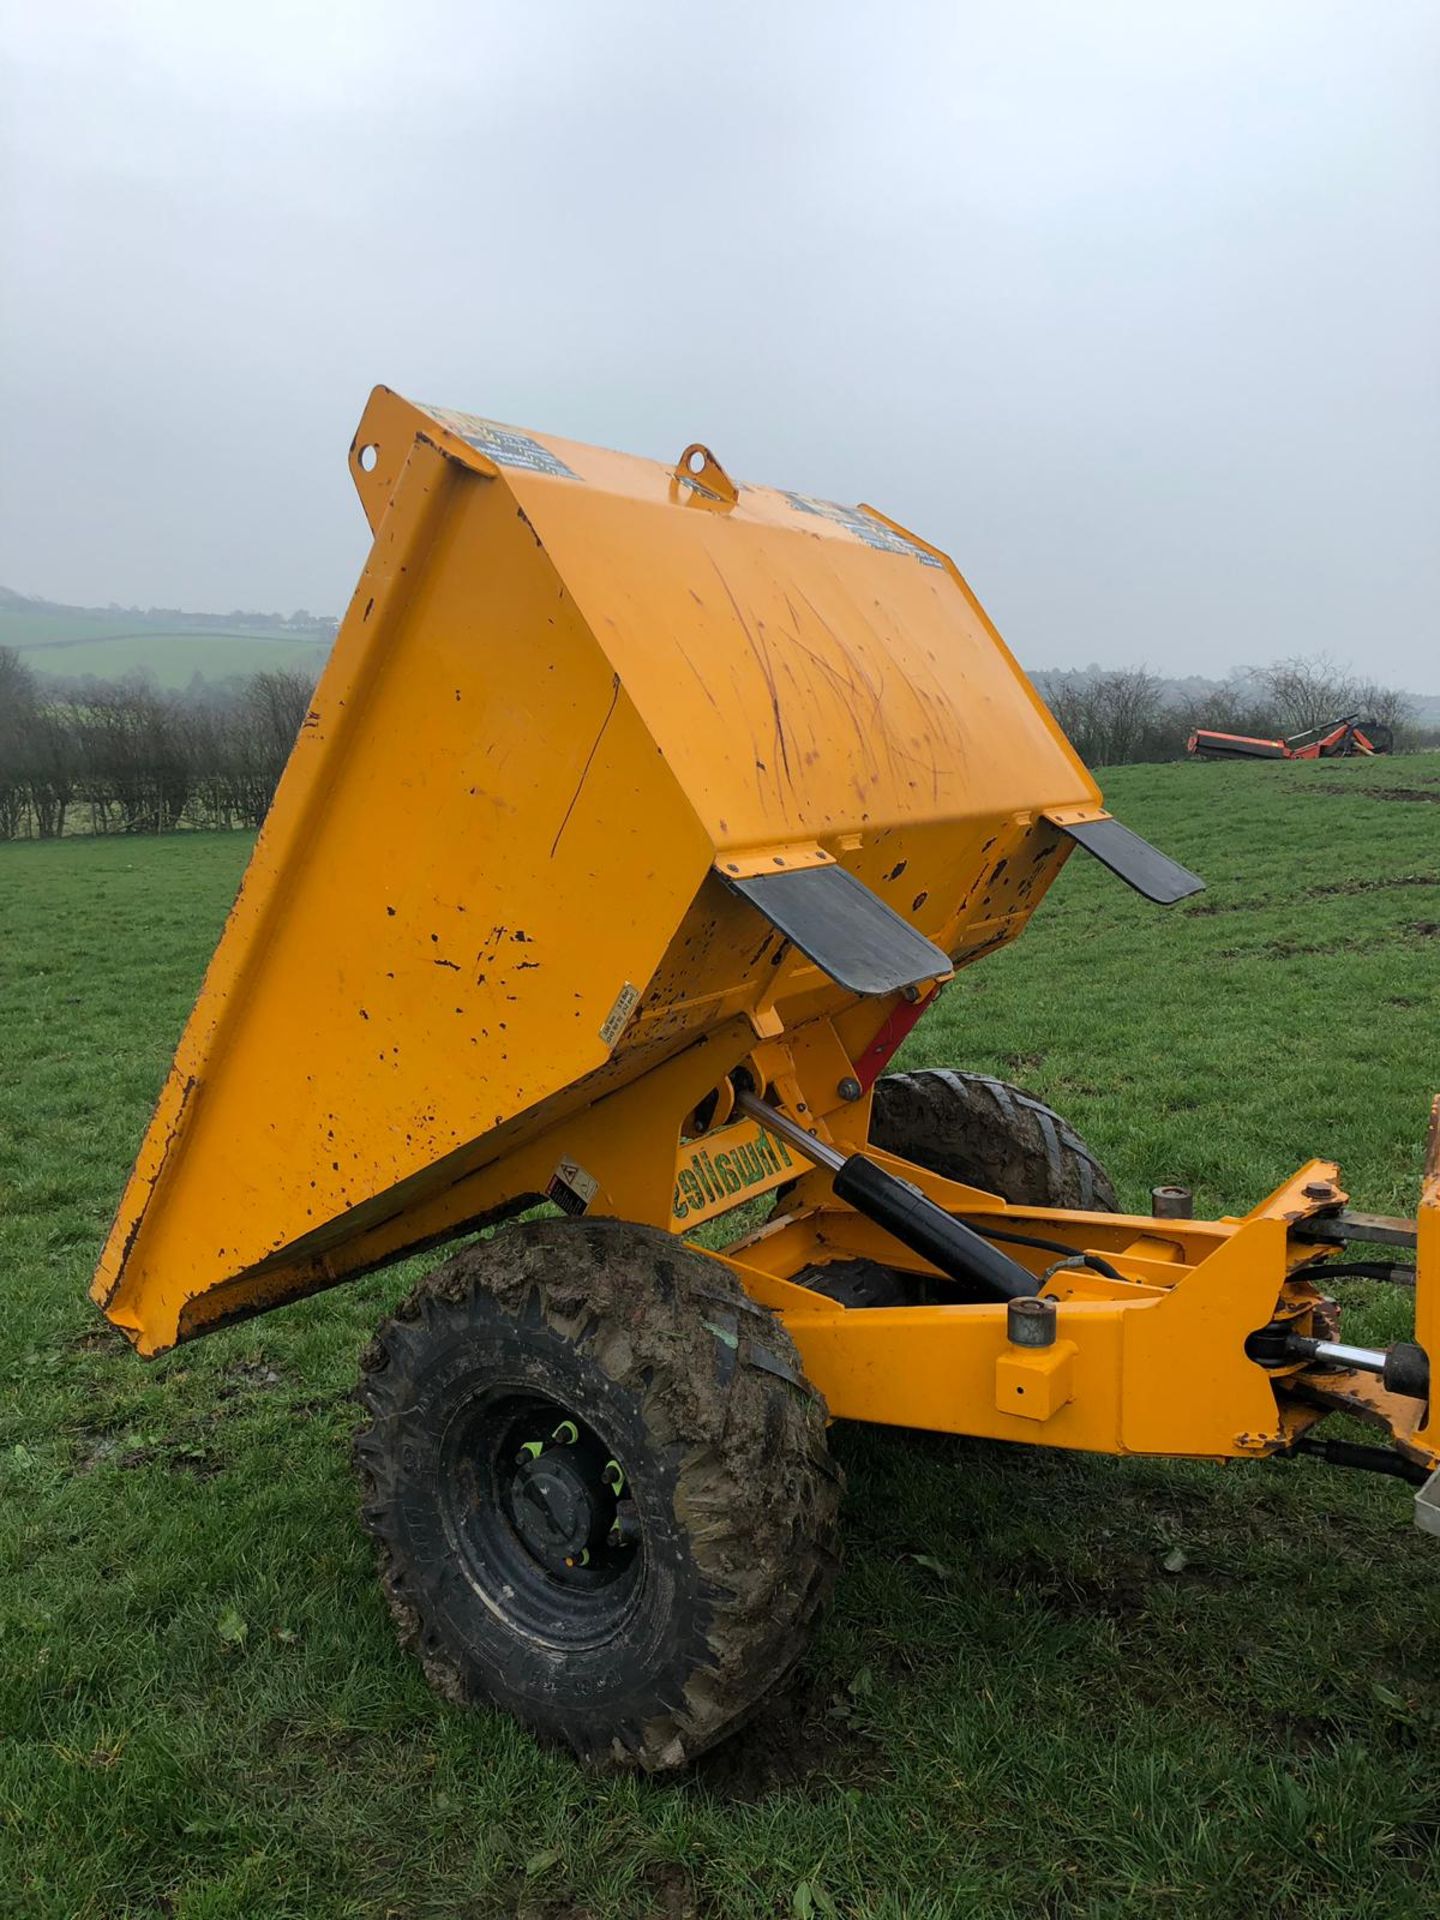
(542, 1517)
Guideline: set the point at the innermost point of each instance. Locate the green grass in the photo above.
(203, 1712)
(112, 645)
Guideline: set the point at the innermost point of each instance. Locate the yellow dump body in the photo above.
(575, 693)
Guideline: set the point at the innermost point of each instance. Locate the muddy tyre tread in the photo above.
(723, 1397)
(984, 1132)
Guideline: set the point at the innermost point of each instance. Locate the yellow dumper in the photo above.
(638, 816)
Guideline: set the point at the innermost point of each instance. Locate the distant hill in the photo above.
(169, 644)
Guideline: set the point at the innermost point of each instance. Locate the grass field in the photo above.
(1047, 1686)
(72, 644)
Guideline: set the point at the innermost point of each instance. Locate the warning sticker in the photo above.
(504, 445)
(571, 1187)
(873, 532)
(618, 1017)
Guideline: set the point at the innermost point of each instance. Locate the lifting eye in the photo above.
(699, 465)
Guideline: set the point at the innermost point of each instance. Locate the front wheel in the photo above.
(601, 1488)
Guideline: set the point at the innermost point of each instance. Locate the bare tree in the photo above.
(1307, 693)
(1388, 707)
(1110, 718)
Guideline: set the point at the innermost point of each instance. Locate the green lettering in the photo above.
(750, 1163)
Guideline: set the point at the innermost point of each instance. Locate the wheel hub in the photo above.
(561, 1505)
(541, 1514)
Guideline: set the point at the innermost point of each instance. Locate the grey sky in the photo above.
(1134, 308)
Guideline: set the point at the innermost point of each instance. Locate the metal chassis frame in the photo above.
(1152, 1364)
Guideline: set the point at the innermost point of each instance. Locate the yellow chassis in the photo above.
(1154, 1363)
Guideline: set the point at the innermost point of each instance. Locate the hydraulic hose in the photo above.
(1095, 1261)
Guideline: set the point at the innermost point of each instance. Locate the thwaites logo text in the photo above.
(706, 1182)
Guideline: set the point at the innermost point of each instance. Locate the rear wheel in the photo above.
(601, 1488)
(986, 1133)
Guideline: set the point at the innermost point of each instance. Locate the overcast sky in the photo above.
(1133, 308)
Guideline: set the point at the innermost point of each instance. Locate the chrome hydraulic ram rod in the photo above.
(1403, 1368)
(902, 1210)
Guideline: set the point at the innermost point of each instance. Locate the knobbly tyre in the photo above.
(638, 817)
